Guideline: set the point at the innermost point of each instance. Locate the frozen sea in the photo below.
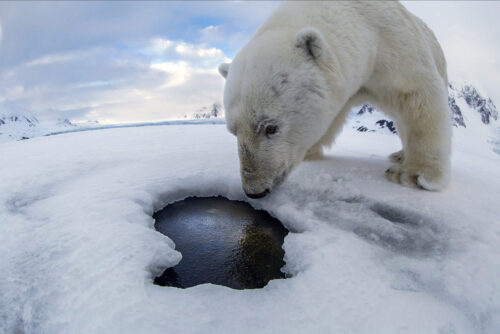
(78, 250)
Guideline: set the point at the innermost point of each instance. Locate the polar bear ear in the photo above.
(312, 43)
(224, 69)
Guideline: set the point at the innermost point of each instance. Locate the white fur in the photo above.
(310, 62)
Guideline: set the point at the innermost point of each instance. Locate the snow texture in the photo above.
(78, 250)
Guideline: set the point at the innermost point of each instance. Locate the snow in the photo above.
(78, 250)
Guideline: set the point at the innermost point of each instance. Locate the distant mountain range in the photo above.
(469, 109)
(18, 124)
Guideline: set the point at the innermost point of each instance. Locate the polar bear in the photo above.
(289, 89)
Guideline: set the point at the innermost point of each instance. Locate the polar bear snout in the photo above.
(254, 185)
(258, 185)
(255, 189)
(259, 195)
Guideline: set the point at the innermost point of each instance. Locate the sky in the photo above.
(122, 62)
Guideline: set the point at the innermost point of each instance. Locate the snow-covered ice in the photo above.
(78, 250)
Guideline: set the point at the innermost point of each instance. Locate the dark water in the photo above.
(222, 242)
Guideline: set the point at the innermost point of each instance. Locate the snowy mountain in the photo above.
(18, 124)
(64, 123)
(467, 106)
(215, 110)
(369, 119)
(474, 101)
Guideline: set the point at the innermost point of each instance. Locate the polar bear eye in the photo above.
(271, 129)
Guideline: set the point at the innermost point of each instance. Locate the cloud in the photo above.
(178, 72)
(203, 54)
(53, 58)
(120, 62)
(190, 50)
(158, 46)
(468, 32)
(157, 80)
(36, 29)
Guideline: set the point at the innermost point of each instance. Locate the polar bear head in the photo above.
(278, 104)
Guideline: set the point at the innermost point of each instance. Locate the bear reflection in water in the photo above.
(222, 242)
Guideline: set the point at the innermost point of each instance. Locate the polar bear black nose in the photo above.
(259, 195)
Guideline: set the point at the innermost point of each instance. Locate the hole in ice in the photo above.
(222, 242)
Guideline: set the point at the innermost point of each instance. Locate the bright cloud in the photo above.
(178, 72)
(158, 46)
(201, 54)
(190, 50)
(160, 79)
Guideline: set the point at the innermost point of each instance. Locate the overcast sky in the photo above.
(150, 61)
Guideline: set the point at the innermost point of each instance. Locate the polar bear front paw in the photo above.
(397, 157)
(423, 177)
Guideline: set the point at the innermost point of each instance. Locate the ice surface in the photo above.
(78, 251)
